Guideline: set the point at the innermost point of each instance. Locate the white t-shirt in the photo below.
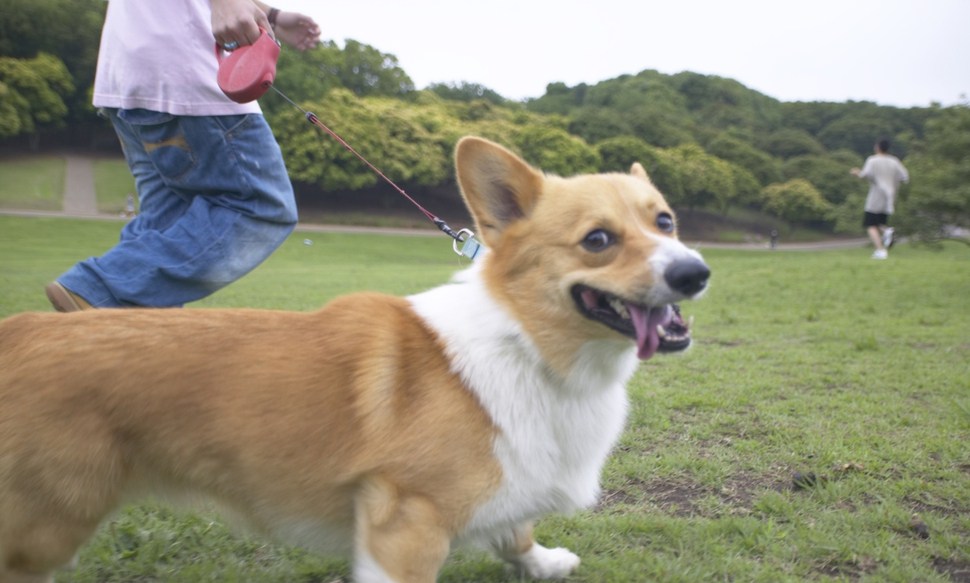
(160, 55)
(884, 172)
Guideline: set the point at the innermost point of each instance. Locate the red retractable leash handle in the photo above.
(248, 72)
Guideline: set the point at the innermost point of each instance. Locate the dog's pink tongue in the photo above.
(645, 322)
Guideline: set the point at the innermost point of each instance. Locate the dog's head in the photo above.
(587, 258)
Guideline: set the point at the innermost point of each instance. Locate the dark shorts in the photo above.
(875, 219)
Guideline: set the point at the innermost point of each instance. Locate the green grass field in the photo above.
(825, 364)
(37, 183)
(32, 182)
(112, 184)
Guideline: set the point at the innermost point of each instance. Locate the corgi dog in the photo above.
(387, 428)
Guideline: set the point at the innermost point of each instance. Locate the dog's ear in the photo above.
(638, 171)
(498, 186)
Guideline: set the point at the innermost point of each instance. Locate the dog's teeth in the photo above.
(620, 308)
(661, 332)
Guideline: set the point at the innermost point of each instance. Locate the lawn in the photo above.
(112, 183)
(37, 183)
(826, 401)
(32, 182)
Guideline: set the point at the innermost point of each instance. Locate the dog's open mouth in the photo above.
(655, 328)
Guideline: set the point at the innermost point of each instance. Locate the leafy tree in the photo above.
(503, 124)
(656, 124)
(939, 196)
(69, 29)
(788, 143)
(559, 99)
(555, 151)
(747, 189)
(466, 91)
(478, 110)
(619, 153)
(725, 103)
(34, 91)
(306, 76)
(411, 148)
(856, 125)
(367, 71)
(706, 180)
(644, 105)
(410, 141)
(758, 162)
(360, 68)
(810, 117)
(648, 107)
(795, 201)
(828, 173)
(686, 175)
(314, 157)
(10, 106)
(858, 134)
(594, 124)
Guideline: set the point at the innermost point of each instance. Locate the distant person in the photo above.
(215, 198)
(884, 172)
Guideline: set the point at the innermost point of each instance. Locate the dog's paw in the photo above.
(542, 563)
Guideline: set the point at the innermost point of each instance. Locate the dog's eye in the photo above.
(598, 240)
(665, 222)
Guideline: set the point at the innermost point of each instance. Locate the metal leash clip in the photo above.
(469, 244)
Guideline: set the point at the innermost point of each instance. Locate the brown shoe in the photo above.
(64, 300)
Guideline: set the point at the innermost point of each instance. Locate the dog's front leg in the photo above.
(533, 559)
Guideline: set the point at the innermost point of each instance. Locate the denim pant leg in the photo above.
(215, 201)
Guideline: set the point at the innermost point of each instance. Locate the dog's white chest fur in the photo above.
(555, 433)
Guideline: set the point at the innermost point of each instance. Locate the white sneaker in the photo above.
(880, 254)
(887, 237)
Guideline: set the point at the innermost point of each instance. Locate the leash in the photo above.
(249, 71)
(464, 239)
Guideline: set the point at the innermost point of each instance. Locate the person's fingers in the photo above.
(232, 24)
(262, 22)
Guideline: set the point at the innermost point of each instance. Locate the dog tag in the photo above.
(469, 245)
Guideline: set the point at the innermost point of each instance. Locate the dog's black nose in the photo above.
(687, 276)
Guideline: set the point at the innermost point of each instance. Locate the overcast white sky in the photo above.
(894, 52)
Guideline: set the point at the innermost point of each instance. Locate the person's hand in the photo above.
(855, 172)
(297, 30)
(237, 21)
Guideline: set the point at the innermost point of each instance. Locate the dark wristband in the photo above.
(273, 13)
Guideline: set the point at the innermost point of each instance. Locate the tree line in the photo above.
(706, 141)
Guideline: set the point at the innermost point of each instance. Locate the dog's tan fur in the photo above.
(230, 403)
(352, 424)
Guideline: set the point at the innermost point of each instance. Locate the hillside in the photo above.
(710, 143)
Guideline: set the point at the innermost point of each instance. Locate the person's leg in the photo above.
(887, 234)
(872, 223)
(875, 235)
(215, 202)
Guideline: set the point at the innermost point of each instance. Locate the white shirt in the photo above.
(160, 55)
(884, 172)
